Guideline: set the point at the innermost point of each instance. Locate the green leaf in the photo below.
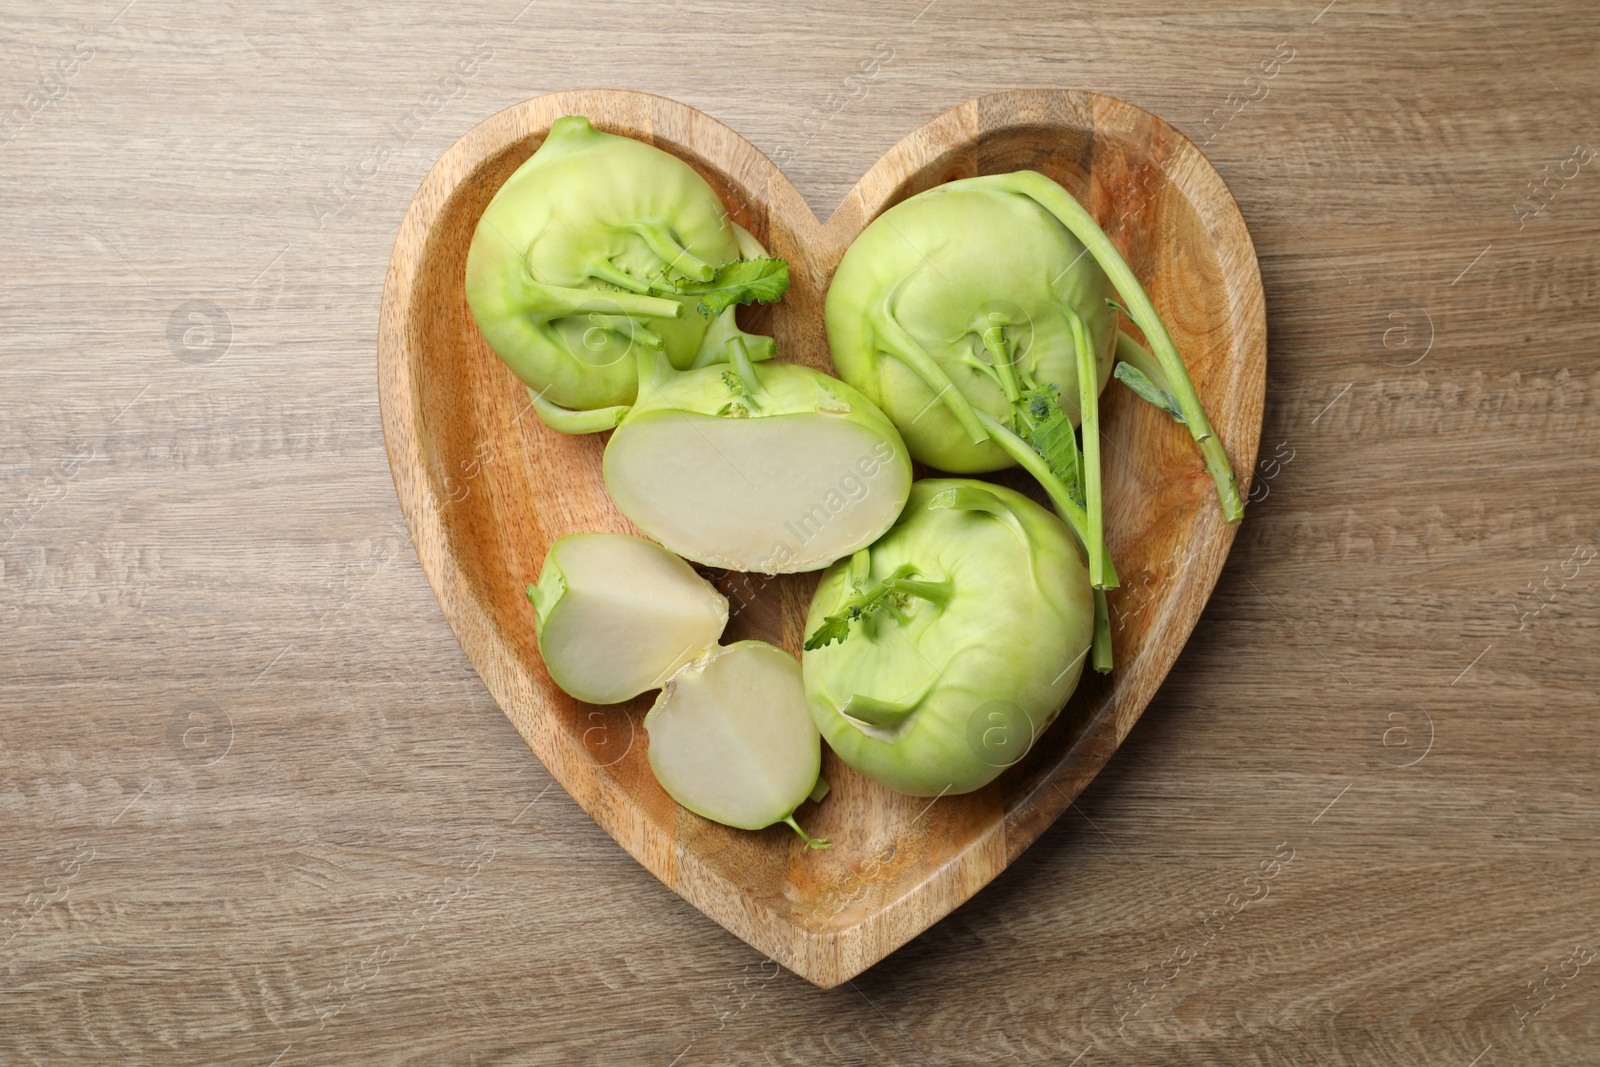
(1140, 383)
(833, 628)
(867, 600)
(1051, 434)
(743, 281)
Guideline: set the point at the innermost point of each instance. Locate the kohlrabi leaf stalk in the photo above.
(1073, 216)
(1100, 655)
(1039, 424)
(1101, 576)
(1071, 510)
(894, 338)
(565, 420)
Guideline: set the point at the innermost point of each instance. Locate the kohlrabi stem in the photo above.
(546, 302)
(623, 326)
(994, 339)
(859, 567)
(717, 344)
(654, 368)
(606, 271)
(811, 842)
(936, 593)
(1056, 200)
(1089, 420)
(565, 420)
(1065, 506)
(905, 348)
(1029, 460)
(874, 712)
(544, 596)
(676, 257)
(744, 367)
(1100, 651)
(971, 498)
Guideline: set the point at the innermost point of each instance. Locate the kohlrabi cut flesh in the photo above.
(731, 738)
(617, 614)
(773, 468)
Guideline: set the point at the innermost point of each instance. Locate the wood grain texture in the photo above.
(230, 556)
(454, 413)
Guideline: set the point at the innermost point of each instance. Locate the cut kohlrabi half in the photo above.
(772, 468)
(732, 739)
(618, 614)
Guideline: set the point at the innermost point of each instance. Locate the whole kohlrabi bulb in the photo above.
(596, 248)
(973, 281)
(938, 655)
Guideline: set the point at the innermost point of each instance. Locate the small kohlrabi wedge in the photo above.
(599, 247)
(937, 656)
(617, 614)
(772, 468)
(732, 740)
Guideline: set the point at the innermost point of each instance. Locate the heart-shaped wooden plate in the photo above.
(486, 487)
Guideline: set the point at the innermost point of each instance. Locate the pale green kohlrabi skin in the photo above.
(769, 467)
(939, 691)
(565, 268)
(932, 275)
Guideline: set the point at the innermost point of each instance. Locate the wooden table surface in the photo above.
(256, 808)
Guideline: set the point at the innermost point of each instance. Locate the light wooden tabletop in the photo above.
(256, 808)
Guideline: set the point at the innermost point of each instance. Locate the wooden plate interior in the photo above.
(486, 488)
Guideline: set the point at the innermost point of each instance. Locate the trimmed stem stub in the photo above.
(565, 420)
